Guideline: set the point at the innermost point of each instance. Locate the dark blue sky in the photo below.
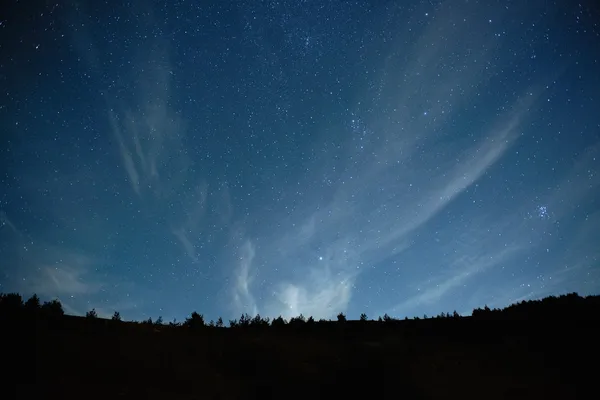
(293, 157)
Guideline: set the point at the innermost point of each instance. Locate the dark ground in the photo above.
(461, 358)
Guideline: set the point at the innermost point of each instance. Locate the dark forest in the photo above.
(544, 348)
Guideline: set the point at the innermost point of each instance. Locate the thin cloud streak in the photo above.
(187, 244)
(130, 168)
(150, 143)
(242, 294)
(196, 208)
(5, 222)
(68, 276)
(461, 270)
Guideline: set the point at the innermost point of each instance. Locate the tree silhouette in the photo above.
(244, 320)
(195, 321)
(11, 304)
(159, 321)
(91, 314)
(52, 309)
(259, 321)
(325, 351)
(297, 321)
(33, 303)
(279, 321)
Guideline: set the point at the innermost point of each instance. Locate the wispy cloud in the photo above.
(149, 136)
(149, 140)
(390, 187)
(334, 244)
(573, 266)
(242, 294)
(320, 296)
(63, 279)
(55, 272)
(59, 272)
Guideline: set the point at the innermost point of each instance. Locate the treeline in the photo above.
(565, 306)
(12, 305)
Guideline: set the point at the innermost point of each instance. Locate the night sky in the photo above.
(287, 157)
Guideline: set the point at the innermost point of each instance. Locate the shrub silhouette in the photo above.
(363, 317)
(219, 323)
(116, 316)
(159, 321)
(341, 317)
(92, 314)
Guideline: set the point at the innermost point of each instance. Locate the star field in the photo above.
(291, 157)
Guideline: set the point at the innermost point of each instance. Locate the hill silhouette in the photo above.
(536, 349)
